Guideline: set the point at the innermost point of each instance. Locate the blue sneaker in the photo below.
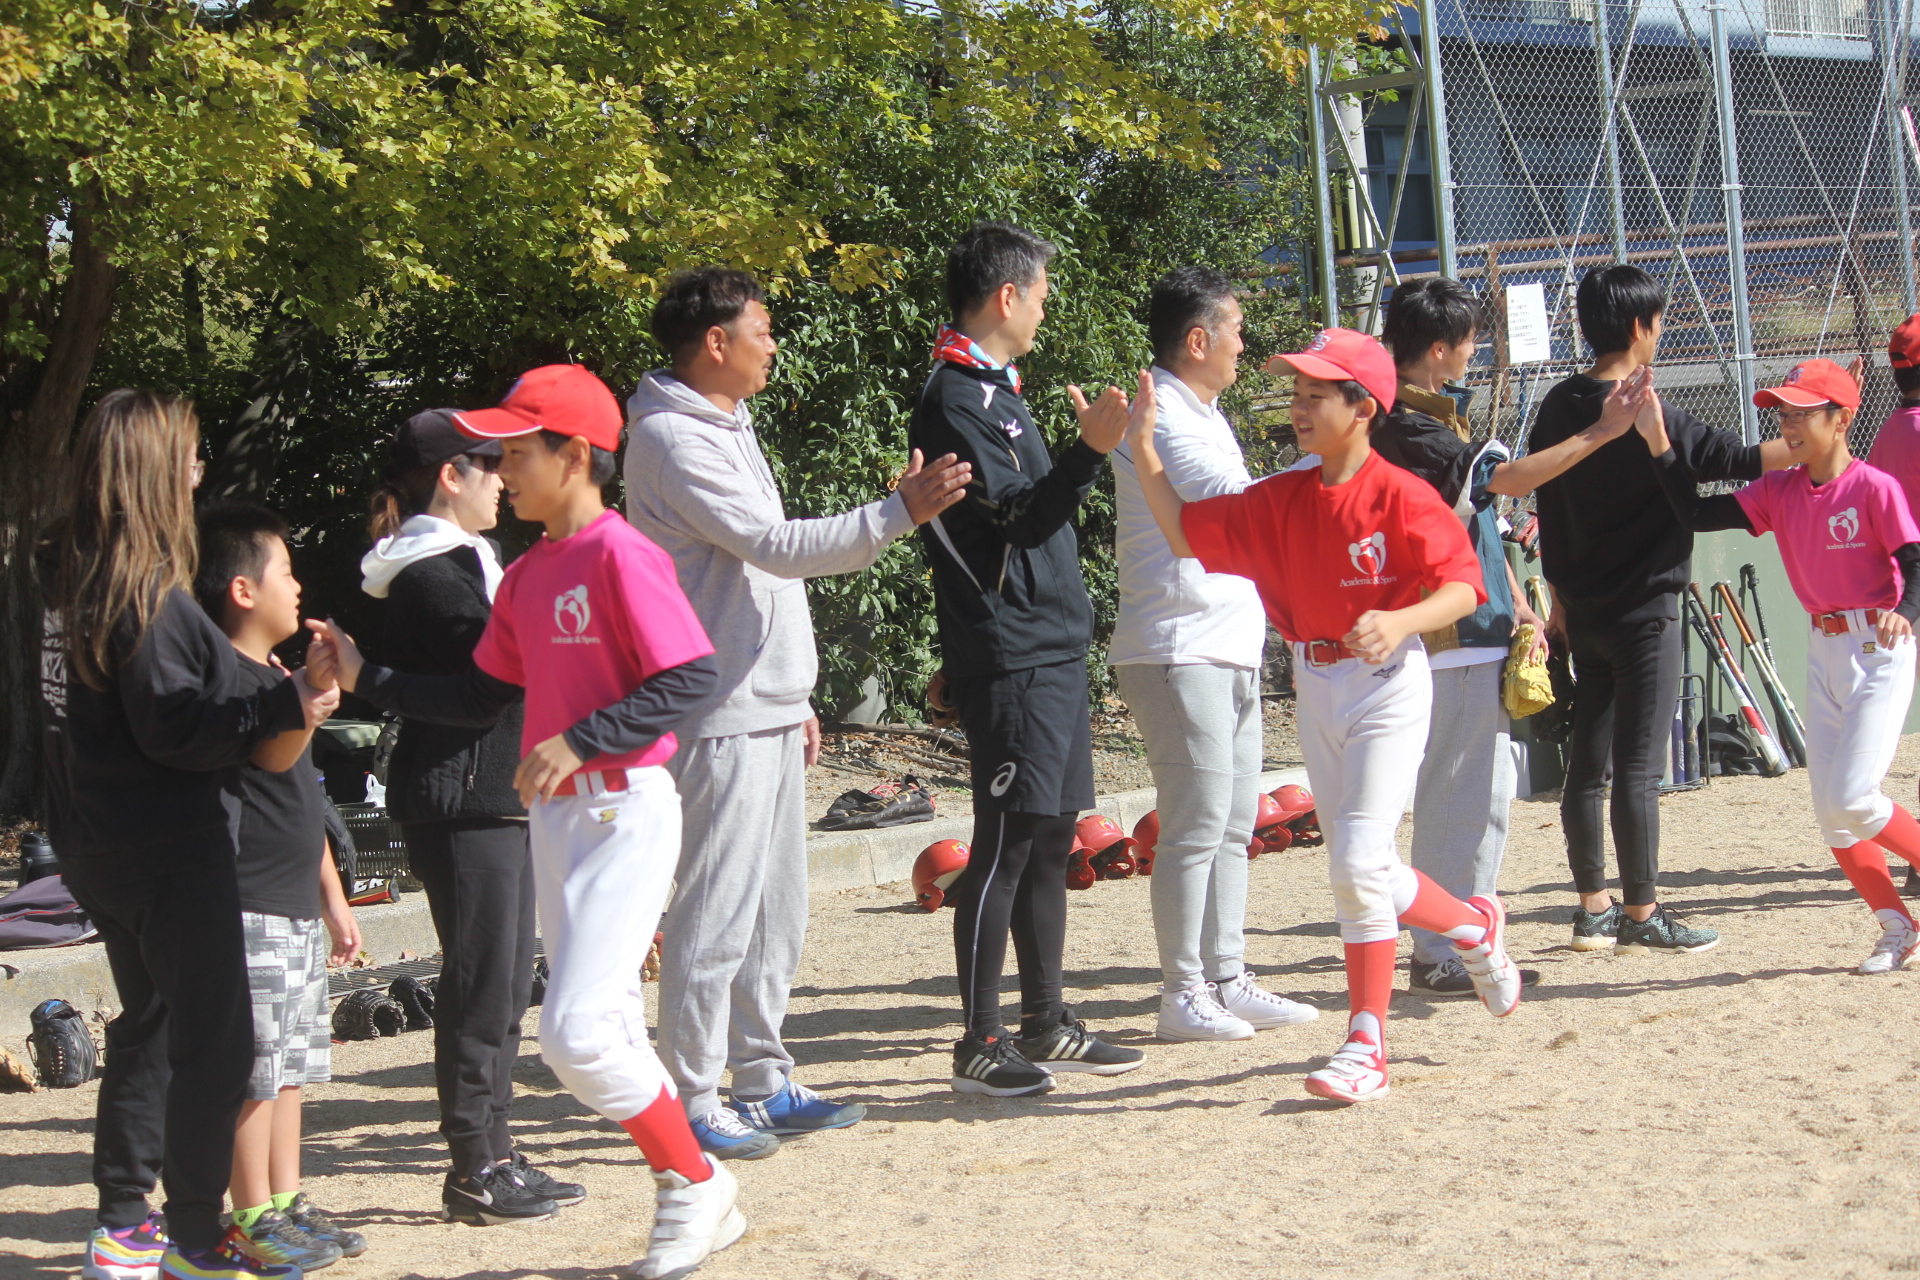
(798, 1109)
(129, 1253)
(724, 1136)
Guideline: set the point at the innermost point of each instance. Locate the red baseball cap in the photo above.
(1815, 382)
(1345, 355)
(1903, 350)
(565, 398)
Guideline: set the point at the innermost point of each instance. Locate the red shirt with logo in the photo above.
(1836, 539)
(581, 622)
(1323, 556)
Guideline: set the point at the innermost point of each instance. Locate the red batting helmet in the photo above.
(935, 870)
(1270, 815)
(1080, 872)
(1255, 847)
(1277, 838)
(1098, 832)
(1293, 800)
(1146, 834)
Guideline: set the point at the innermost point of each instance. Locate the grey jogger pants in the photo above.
(1203, 731)
(732, 935)
(1466, 787)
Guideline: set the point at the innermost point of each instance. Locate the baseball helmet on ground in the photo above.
(1293, 800)
(1255, 847)
(1080, 872)
(935, 870)
(1146, 834)
(1112, 851)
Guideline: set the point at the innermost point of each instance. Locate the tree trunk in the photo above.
(34, 454)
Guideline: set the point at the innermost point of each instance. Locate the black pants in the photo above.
(179, 1054)
(1626, 678)
(1016, 879)
(479, 883)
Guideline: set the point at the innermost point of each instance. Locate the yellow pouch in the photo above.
(1526, 688)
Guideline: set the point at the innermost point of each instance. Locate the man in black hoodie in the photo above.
(1617, 559)
(1014, 624)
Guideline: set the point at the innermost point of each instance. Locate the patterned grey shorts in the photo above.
(287, 974)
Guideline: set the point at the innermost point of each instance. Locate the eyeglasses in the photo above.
(1800, 417)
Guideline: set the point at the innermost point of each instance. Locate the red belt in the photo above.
(1324, 653)
(1838, 624)
(598, 782)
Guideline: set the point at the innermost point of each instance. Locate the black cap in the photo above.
(430, 438)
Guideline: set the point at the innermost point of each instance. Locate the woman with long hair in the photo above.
(145, 727)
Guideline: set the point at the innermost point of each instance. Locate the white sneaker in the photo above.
(691, 1220)
(1358, 1073)
(1261, 1009)
(1495, 979)
(1194, 1013)
(1899, 939)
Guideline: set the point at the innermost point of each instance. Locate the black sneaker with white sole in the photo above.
(1597, 930)
(1449, 977)
(993, 1066)
(544, 1185)
(491, 1198)
(1663, 932)
(1069, 1046)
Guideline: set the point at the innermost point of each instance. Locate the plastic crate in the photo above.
(377, 838)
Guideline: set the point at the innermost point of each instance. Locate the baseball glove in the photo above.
(415, 999)
(61, 1046)
(15, 1075)
(368, 1014)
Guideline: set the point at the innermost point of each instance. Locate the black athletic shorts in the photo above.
(1031, 740)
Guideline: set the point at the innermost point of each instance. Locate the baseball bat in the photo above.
(1793, 734)
(1722, 655)
(1750, 586)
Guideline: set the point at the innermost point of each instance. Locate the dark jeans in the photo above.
(1626, 677)
(179, 1054)
(479, 882)
(1016, 879)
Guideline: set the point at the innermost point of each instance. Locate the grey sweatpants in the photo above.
(1465, 789)
(739, 914)
(1203, 731)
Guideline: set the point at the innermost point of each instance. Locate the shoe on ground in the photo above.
(127, 1253)
(1357, 1073)
(492, 1197)
(797, 1109)
(543, 1185)
(723, 1135)
(277, 1239)
(1448, 977)
(309, 1218)
(1664, 932)
(691, 1222)
(1911, 887)
(1194, 1013)
(1496, 979)
(994, 1066)
(1262, 1010)
(1069, 1046)
(1899, 939)
(1597, 931)
(227, 1260)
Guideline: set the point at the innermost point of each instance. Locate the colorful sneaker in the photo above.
(1495, 979)
(691, 1222)
(227, 1260)
(1899, 939)
(994, 1066)
(308, 1217)
(1194, 1013)
(1597, 931)
(544, 1185)
(492, 1198)
(1662, 931)
(798, 1109)
(278, 1240)
(1357, 1073)
(1240, 997)
(723, 1135)
(128, 1253)
(1069, 1046)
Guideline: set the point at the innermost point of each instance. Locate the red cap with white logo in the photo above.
(1903, 349)
(1813, 383)
(1345, 355)
(563, 398)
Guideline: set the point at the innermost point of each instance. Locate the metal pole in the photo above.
(1893, 49)
(1437, 151)
(1603, 66)
(1736, 227)
(1322, 188)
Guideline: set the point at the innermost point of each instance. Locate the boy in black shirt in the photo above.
(293, 906)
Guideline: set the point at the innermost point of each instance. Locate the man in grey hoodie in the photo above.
(699, 486)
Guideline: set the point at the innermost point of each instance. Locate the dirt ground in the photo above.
(1750, 1111)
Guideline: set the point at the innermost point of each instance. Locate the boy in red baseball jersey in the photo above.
(1851, 548)
(1353, 560)
(592, 625)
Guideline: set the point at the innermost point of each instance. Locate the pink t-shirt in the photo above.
(581, 623)
(1896, 451)
(1837, 539)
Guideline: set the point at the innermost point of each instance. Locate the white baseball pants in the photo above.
(602, 868)
(1363, 732)
(1857, 696)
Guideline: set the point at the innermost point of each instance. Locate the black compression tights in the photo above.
(1016, 879)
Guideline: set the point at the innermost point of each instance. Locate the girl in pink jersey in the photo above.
(1852, 553)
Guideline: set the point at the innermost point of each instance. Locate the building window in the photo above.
(1824, 19)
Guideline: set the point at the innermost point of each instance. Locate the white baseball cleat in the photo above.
(1194, 1013)
(1358, 1073)
(1264, 1010)
(1495, 979)
(1899, 939)
(691, 1221)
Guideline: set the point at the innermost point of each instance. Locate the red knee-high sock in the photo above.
(1901, 834)
(666, 1140)
(1370, 987)
(1437, 911)
(1866, 867)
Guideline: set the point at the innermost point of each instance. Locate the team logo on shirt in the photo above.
(1369, 555)
(1845, 527)
(572, 614)
(1013, 429)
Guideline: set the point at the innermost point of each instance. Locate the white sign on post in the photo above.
(1528, 336)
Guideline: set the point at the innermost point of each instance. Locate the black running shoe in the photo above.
(1449, 977)
(1663, 932)
(543, 1185)
(1597, 932)
(1069, 1046)
(994, 1066)
(492, 1198)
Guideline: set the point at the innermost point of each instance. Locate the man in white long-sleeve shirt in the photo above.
(699, 486)
(1186, 650)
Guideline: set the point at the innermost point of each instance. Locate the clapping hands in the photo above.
(1105, 422)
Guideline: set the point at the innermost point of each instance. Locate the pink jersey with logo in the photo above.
(1896, 451)
(580, 623)
(1837, 539)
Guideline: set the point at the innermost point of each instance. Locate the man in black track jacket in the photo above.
(1014, 623)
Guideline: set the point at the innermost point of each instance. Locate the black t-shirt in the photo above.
(282, 828)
